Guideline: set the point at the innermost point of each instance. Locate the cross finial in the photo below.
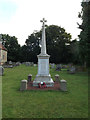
(43, 20)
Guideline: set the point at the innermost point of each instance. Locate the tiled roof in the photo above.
(2, 47)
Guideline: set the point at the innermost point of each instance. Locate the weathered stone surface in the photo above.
(43, 78)
(63, 85)
(43, 65)
(23, 85)
(57, 78)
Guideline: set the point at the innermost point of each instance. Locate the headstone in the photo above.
(63, 85)
(18, 63)
(70, 65)
(43, 63)
(35, 65)
(57, 78)
(58, 67)
(28, 64)
(14, 64)
(1, 70)
(72, 70)
(29, 77)
(23, 63)
(10, 62)
(10, 65)
(52, 66)
(23, 85)
(65, 66)
(31, 63)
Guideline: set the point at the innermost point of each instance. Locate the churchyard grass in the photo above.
(44, 104)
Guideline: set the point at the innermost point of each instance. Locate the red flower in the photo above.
(42, 86)
(39, 84)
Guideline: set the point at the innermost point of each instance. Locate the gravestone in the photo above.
(43, 63)
(23, 85)
(65, 66)
(63, 85)
(31, 63)
(1, 70)
(18, 63)
(10, 65)
(72, 70)
(23, 63)
(35, 65)
(28, 63)
(58, 67)
(57, 78)
(10, 62)
(52, 65)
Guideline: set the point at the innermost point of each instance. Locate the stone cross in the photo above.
(43, 21)
(43, 47)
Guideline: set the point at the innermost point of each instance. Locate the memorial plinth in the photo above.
(43, 63)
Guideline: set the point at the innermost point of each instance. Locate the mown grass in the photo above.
(44, 104)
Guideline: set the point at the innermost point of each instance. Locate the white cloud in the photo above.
(27, 17)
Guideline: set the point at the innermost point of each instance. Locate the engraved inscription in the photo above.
(43, 66)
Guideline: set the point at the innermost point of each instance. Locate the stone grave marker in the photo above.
(35, 65)
(57, 78)
(10, 62)
(63, 85)
(23, 85)
(58, 67)
(1, 70)
(72, 70)
(52, 65)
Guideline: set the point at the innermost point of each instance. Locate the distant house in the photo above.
(3, 54)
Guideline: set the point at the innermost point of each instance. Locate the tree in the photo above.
(23, 53)
(56, 40)
(13, 48)
(74, 50)
(84, 36)
(33, 48)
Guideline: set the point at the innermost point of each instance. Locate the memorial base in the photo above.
(43, 78)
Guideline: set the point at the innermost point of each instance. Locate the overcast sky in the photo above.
(21, 17)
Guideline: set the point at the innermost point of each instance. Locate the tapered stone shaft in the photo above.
(43, 48)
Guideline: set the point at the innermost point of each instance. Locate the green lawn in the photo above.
(44, 104)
